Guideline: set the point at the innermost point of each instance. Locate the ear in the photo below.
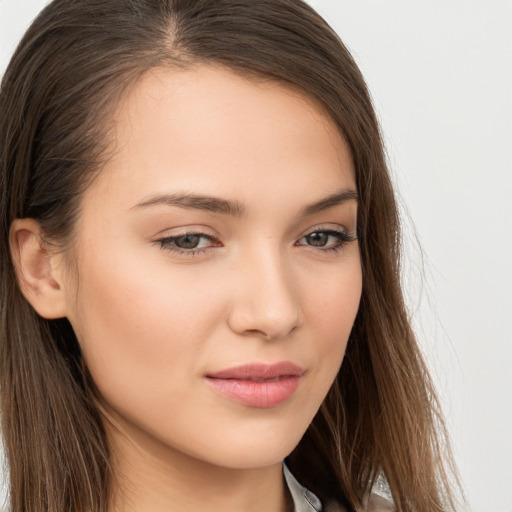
(39, 269)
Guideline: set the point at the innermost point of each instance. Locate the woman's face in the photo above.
(218, 275)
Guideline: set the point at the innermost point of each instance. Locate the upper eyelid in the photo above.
(208, 232)
(165, 244)
(187, 230)
(343, 235)
(166, 241)
(326, 227)
(215, 240)
(212, 235)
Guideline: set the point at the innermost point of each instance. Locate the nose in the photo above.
(266, 301)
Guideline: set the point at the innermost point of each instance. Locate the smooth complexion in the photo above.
(220, 236)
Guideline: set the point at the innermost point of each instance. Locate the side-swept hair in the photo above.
(56, 103)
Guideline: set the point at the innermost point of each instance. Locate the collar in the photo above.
(303, 499)
(378, 500)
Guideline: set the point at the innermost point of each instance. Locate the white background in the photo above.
(440, 72)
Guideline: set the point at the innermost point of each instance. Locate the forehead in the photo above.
(208, 127)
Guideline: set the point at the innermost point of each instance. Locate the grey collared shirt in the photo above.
(304, 500)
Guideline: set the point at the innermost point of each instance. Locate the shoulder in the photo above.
(377, 503)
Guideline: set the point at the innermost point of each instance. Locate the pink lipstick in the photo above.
(257, 385)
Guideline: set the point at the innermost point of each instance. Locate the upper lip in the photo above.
(259, 371)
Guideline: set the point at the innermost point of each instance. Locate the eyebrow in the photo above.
(330, 201)
(235, 208)
(195, 202)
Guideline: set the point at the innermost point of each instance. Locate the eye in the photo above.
(188, 243)
(191, 241)
(326, 239)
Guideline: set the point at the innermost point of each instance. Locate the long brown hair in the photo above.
(56, 102)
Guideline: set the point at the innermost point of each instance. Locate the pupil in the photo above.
(317, 239)
(187, 241)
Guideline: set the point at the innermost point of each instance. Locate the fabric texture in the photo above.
(304, 500)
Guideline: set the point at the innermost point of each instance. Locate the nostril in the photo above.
(265, 303)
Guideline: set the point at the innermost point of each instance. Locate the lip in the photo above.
(257, 385)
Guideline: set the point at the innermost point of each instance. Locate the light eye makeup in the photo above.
(190, 243)
(326, 239)
(194, 242)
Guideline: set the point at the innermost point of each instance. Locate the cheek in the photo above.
(138, 326)
(333, 301)
(331, 307)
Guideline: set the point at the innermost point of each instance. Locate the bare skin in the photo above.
(174, 287)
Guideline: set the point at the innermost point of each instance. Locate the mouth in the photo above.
(257, 385)
(275, 379)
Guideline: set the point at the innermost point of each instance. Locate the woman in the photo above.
(200, 269)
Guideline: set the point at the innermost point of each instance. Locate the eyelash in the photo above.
(169, 243)
(343, 238)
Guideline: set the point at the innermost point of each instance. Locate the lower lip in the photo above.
(257, 394)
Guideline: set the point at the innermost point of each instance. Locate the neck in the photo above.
(161, 479)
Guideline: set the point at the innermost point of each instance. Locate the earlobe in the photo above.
(38, 268)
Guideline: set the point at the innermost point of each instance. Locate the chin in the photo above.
(252, 457)
(253, 448)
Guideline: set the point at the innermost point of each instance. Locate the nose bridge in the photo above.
(266, 301)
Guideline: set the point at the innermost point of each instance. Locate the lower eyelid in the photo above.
(342, 237)
(167, 243)
(332, 232)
